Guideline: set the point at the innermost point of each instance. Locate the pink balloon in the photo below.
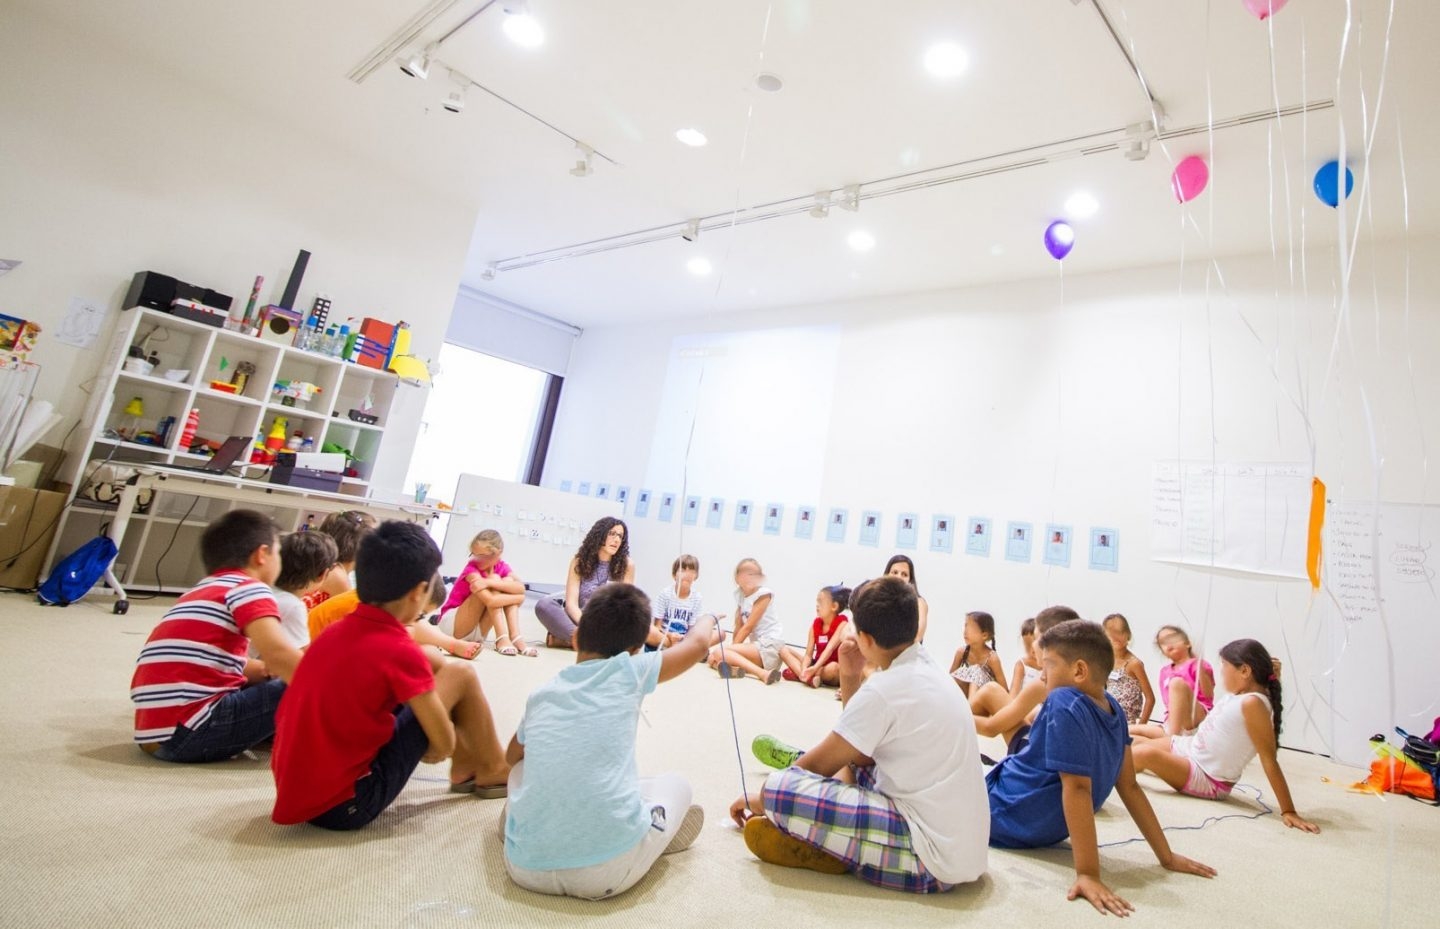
(1264, 9)
(1189, 179)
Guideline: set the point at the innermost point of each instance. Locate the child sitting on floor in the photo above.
(581, 822)
(976, 662)
(347, 529)
(821, 662)
(1187, 685)
(487, 596)
(1027, 668)
(367, 705)
(894, 793)
(998, 712)
(1078, 751)
(756, 645)
(677, 607)
(197, 696)
(1128, 682)
(1244, 724)
(305, 559)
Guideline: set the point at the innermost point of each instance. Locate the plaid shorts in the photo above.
(853, 822)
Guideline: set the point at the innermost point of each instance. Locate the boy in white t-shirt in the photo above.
(306, 558)
(895, 793)
(678, 606)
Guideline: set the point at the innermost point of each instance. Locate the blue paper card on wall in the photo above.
(977, 536)
(602, 491)
(774, 513)
(870, 528)
(642, 504)
(942, 533)
(565, 486)
(907, 530)
(1057, 545)
(805, 522)
(692, 511)
(622, 496)
(1017, 541)
(584, 488)
(1104, 549)
(835, 525)
(742, 515)
(714, 512)
(667, 507)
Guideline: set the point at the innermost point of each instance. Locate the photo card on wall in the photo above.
(743, 509)
(1104, 549)
(667, 506)
(692, 511)
(1018, 541)
(642, 504)
(836, 524)
(942, 533)
(907, 531)
(805, 522)
(565, 486)
(714, 513)
(977, 536)
(1057, 546)
(870, 528)
(774, 513)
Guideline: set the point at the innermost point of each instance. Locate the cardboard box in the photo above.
(27, 524)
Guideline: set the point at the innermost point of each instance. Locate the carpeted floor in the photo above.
(98, 834)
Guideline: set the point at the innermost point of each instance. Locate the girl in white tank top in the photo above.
(1240, 727)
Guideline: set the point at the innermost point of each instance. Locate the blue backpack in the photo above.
(73, 577)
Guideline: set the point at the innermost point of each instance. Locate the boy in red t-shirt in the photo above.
(366, 705)
(198, 696)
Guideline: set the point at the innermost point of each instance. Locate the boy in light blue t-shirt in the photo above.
(581, 821)
(1078, 751)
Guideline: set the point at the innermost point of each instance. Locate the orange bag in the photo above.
(1398, 775)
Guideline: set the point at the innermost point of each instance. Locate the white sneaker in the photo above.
(689, 830)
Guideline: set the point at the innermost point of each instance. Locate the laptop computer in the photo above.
(223, 459)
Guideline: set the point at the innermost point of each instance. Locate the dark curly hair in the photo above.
(589, 555)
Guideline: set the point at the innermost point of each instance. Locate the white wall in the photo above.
(1004, 402)
(110, 165)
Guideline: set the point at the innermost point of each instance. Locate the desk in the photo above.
(243, 491)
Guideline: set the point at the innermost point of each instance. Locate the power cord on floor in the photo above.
(159, 583)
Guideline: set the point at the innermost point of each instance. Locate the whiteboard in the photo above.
(1250, 517)
(542, 528)
(1382, 607)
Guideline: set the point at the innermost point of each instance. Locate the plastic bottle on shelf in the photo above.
(343, 343)
(308, 445)
(293, 443)
(187, 435)
(349, 354)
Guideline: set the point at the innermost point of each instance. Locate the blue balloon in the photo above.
(1327, 183)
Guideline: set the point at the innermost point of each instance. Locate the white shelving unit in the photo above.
(209, 354)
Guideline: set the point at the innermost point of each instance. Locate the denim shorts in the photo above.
(239, 720)
(378, 787)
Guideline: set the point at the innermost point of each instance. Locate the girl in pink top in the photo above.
(487, 596)
(1187, 687)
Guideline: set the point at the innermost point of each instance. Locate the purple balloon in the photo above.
(1059, 239)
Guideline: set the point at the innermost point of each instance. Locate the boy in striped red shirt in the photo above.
(198, 696)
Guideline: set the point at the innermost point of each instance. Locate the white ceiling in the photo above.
(857, 106)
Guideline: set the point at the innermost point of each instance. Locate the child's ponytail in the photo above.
(1250, 653)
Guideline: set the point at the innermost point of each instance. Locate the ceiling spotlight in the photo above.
(821, 209)
(489, 273)
(698, 266)
(860, 240)
(583, 167)
(418, 64)
(1137, 150)
(691, 231)
(770, 83)
(520, 27)
(1081, 205)
(454, 101)
(691, 137)
(946, 60)
(850, 198)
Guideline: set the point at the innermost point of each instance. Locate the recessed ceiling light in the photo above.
(698, 266)
(692, 137)
(770, 83)
(1081, 205)
(946, 60)
(524, 30)
(860, 240)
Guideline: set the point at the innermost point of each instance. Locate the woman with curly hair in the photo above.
(604, 556)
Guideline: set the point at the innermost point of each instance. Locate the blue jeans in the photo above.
(378, 788)
(238, 721)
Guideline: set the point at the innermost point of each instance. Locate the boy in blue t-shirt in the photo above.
(581, 821)
(1079, 749)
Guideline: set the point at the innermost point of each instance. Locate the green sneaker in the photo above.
(773, 752)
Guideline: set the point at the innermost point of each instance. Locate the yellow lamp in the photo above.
(134, 411)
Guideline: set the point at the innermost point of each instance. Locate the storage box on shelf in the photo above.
(211, 358)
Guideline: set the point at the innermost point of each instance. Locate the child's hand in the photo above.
(1295, 821)
(672, 638)
(1101, 897)
(1182, 865)
(741, 812)
(852, 662)
(477, 583)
